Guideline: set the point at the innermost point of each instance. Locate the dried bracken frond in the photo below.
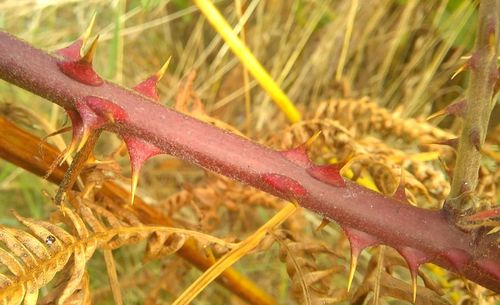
(206, 197)
(165, 282)
(364, 134)
(383, 277)
(188, 101)
(364, 116)
(33, 259)
(369, 156)
(311, 284)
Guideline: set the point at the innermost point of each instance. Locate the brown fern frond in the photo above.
(205, 198)
(165, 284)
(362, 130)
(33, 258)
(364, 116)
(369, 156)
(386, 279)
(311, 284)
(81, 295)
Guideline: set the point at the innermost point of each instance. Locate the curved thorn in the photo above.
(475, 137)
(453, 143)
(89, 56)
(457, 109)
(460, 70)
(109, 116)
(313, 138)
(163, 69)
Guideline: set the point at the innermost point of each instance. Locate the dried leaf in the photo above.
(33, 259)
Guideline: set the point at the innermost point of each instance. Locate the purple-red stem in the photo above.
(425, 235)
(478, 106)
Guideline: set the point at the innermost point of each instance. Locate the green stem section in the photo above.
(484, 74)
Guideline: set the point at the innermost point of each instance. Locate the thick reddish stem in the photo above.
(386, 219)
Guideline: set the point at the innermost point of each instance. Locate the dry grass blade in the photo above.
(113, 277)
(378, 275)
(233, 256)
(248, 59)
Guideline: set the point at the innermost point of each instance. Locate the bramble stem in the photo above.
(480, 102)
(386, 219)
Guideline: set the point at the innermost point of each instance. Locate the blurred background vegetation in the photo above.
(399, 53)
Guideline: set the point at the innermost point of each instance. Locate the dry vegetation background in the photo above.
(369, 92)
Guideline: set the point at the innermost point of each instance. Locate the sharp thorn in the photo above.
(436, 114)
(346, 162)
(70, 150)
(89, 56)
(133, 188)
(453, 143)
(460, 70)
(414, 286)
(57, 132)
(490, 28)
(163, 69)
(83, 140)
(352, 270)
(88, 31)
(322, 225)
(313, 138)
(329, 174)
(414, 259)
(458, 109)
(109, 116)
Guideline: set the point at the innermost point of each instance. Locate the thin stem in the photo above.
(234, 255)
(484, 74)
(248, 59)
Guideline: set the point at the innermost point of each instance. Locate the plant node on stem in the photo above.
(480, 102)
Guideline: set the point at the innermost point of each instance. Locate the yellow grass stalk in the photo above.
(248, 60)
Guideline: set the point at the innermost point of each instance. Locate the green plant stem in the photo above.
(484, 74)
